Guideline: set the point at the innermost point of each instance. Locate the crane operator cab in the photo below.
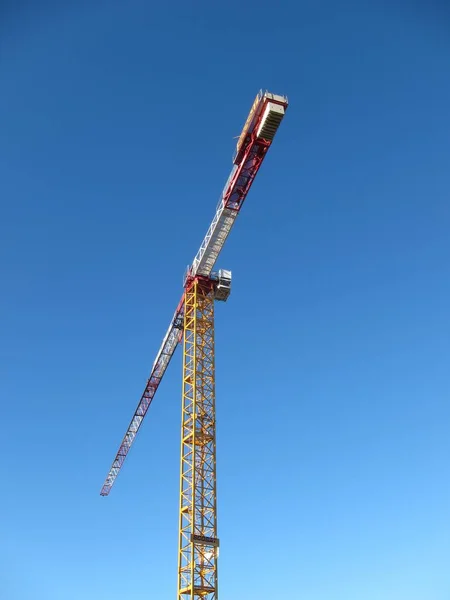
(223, 284)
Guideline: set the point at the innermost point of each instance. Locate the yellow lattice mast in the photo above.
(198, 542)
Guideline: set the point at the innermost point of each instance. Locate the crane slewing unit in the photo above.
(193, 323)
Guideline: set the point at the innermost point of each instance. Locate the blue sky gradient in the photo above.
(117, 129)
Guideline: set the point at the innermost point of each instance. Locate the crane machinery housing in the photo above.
(193, 325)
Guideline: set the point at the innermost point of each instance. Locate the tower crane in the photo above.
(193, 325)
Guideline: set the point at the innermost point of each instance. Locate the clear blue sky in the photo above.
(117, 122)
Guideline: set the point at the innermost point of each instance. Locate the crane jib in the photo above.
(166, 351)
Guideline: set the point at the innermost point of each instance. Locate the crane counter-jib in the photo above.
(262, 101)
(259, 130)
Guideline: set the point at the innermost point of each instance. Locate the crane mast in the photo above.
(193, 323)
(198, 541)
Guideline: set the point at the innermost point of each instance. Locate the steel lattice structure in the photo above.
(198, 542)
(193, 322)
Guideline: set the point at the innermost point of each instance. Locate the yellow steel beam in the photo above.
(198, 542)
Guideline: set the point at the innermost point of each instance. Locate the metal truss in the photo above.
(166, 351)
(230, 203)
(198, 542)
